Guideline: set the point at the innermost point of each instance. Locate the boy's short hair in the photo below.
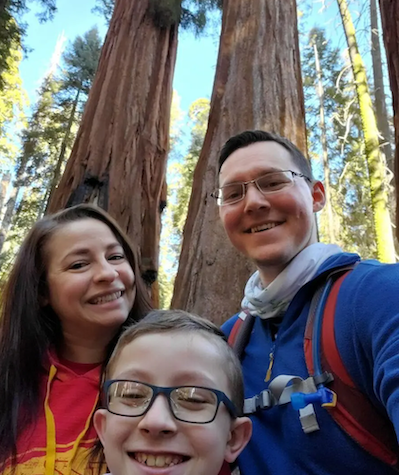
(165, 321)
(249, 137)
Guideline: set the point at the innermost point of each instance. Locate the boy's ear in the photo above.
(99, 421)
(240, 433)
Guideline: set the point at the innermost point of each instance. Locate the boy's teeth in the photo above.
(108, 298)
(263, 227)
(152, 460)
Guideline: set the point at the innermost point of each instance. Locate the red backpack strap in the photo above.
(354, 411)
(240, 333)
(225, 470)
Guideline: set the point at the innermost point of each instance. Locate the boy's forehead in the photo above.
(147, 352)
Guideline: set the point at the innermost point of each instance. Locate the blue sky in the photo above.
(196, 58)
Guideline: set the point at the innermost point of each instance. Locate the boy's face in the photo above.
(157, 443)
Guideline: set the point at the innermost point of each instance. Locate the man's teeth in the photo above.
(152, 460)
(107, 298)
(263, 227)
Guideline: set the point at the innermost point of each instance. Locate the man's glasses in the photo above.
(193, 404)
(269, 183)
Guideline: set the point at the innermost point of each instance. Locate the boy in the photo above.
(173, 399)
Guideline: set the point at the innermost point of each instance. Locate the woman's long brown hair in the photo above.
(27, 329)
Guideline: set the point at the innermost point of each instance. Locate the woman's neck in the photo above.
(83, 349)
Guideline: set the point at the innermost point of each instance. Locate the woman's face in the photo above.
(91, 284)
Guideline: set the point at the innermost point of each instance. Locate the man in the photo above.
(267, 198)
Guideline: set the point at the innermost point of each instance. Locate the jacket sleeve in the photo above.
(367, 334)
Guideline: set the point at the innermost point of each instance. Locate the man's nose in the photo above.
(254, 199)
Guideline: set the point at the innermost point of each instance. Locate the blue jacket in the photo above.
(367, 335)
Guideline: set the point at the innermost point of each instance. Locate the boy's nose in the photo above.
(158, 420)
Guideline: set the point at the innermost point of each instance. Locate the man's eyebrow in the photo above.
(259, 174)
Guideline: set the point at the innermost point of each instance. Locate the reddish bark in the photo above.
(390, 30)
(119, 157)
(257, 85)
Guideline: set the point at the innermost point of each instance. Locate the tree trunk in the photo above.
(61, 157)
(3, 5)
(379, 88)
(326, 168)
(5, 224)
(390, 27)
(257, 85)
(5, 181)
(375, 159)
(119, 157)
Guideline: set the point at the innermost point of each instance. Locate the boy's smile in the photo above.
(156, 443)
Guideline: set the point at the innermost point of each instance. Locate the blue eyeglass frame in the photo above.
(156, 390)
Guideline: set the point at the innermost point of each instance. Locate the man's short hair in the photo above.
(249, 137)
(165, 321)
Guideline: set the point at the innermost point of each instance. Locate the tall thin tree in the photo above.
(375, 159)
(379, 88)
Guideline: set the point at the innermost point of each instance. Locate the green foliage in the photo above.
(81, 61)
(12, 102)
(348, 171)
(198, 115)
(190, 14)
(180, 178)
(12, 30)
(104, 8)
(48, 137)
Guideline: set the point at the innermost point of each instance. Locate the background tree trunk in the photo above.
(61, 156)
(375, 159)
(257, 85)
(119, 158)
(326, 167)
(379, 89)
(390, 27)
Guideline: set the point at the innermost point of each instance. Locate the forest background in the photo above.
(60, 89)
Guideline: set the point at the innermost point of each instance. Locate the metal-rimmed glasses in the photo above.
(272, 182)
(194, 404)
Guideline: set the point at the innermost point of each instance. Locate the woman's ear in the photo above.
(319, 196)
(240, 433)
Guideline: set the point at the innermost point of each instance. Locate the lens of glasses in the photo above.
(231, 193)
(274, 181)
(268, 183)
(128, 398)
(192, 404)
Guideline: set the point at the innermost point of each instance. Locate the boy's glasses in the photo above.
(269, 183)
(193, 404)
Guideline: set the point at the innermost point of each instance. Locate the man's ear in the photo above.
(240, 433)
(99, 421)
(319, 196)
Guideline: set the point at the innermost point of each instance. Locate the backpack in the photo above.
(348, 406)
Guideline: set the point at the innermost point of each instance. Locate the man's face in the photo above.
(156, 442)
(270, 229)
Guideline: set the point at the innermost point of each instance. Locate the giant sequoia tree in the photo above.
(390, 27)
(257, 85)
(118, 159)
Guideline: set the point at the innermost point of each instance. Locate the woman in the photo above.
(75, 285)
